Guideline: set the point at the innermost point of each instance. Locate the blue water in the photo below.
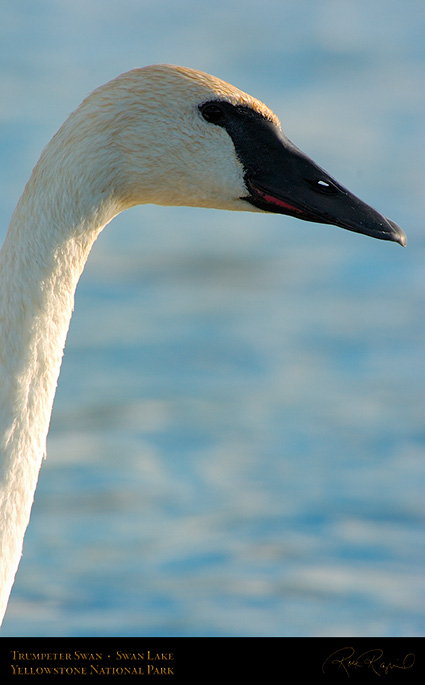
(238, 440)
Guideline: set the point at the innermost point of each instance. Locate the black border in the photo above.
(217, 660)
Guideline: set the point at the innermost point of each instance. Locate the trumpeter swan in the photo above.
(162, 134)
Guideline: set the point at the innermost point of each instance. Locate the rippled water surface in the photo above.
(238, 440)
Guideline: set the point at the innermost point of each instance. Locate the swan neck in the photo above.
(49, 240)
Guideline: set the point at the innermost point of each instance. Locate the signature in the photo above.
(372, 660)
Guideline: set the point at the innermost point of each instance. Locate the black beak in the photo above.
(286, 181)
(280, 178)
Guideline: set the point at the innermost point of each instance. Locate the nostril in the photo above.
(323, 187)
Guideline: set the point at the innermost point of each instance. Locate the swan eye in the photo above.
(212, 113)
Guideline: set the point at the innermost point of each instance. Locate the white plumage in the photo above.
(141, 138)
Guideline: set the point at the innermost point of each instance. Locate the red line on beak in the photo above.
(275, 201)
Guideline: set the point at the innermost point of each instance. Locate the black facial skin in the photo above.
(282, 179)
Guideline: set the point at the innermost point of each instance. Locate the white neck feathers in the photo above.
(54, 226)
(139, 138)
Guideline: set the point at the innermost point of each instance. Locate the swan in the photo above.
(161, 134)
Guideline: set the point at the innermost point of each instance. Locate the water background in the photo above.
(237, 445)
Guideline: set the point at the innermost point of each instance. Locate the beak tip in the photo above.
(397, 234)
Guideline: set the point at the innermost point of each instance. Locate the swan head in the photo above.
(182, 137)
